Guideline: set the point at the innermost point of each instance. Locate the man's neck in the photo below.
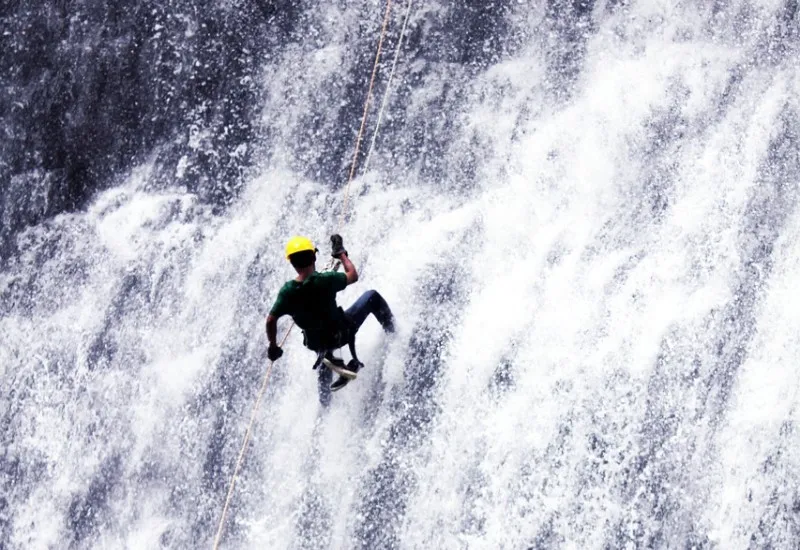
(305, 273)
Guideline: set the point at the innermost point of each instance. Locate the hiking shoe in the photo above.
(354, 365)
(338, 366)
(339, 383)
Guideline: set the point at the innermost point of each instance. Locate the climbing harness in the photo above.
(350, 341)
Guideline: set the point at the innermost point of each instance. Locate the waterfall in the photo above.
(582, 213)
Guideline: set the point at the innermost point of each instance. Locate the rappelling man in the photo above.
(310, 299)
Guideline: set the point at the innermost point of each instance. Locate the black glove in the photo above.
(337, 246)
(274, 352)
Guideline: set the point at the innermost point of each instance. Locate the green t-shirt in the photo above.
(312, 304)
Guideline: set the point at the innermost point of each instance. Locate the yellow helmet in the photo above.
(299, 244)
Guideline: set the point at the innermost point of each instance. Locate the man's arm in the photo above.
(338, 251)
(272, 329)
(349, 268)
(273, 351)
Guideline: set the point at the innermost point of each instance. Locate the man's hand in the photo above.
(274, 352)
(337, 247)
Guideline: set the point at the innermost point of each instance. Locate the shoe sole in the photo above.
(350, 375)
(337, 387)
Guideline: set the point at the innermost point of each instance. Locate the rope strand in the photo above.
(388, 88)
(247, 433)
(366, 110)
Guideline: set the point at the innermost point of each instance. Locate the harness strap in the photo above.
(320, 357)
(351, 344)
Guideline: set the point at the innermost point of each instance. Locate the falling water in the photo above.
(583, 214)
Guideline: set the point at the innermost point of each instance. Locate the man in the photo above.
(310, 299)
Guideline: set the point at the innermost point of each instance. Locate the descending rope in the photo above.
(388, 87)
(357, 148)
(247, 433)
(265, 381)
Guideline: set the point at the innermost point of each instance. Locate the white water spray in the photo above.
(597, 342)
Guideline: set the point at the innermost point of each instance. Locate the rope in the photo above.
(366, 110)
(247, 433)
(265, 381)
(388, 87)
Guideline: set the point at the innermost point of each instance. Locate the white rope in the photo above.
(388, 88)
(357, 148)
(240, 459)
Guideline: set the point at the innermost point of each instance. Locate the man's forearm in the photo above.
(347, 264)
(349, 268)
(272, 329)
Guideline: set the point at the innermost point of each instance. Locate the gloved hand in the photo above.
(337, 246)
(274, 352)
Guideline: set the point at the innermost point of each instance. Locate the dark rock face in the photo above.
(90, 89)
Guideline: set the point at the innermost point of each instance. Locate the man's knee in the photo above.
(376, 298)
